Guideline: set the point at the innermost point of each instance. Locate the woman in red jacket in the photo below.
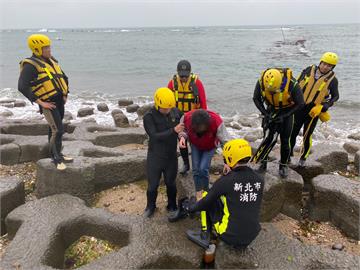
(205, 131)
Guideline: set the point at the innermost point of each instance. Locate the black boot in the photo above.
(263, 166)
(283, 170)
(185, 157)
(151, 203)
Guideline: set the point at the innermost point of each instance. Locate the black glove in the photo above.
(279, 119)
(325, 107)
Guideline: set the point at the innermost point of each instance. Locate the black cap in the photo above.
(184, 68)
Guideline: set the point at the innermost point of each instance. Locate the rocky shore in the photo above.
(44, 210)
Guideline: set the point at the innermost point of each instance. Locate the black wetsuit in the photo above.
(162, 154)
(54, 117)
(238, 195)
(283, 121)
(303, 119)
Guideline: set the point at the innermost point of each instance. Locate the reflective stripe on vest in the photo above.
(282, 98)
(186, 95)
(50, 80)
(222, 227)
(315, 91)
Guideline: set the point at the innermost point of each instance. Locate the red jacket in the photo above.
(210, 139)
(201, 89)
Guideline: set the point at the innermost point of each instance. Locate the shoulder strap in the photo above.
(193, 87)
(175, 83)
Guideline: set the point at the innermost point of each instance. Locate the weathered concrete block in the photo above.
(145, 243)
(9, 154)
(85, 112)
(127, 136)
(357, 162)
(326, 158)
(77, 179)
(103, 107)
(125, 102)
(12, 195)
(144, 109)
(351, 147)
(337, 199)
(24, 127)
(132, 108)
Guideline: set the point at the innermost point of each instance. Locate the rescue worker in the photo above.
(42, 81)
(281, 93)
(320, 89)
(205, 131)
(233, 203)
(189, 94)
(162, 125)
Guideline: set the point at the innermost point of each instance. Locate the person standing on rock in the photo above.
(205, 131)
(233, 203)
(320, 89)
(283, 97)
(189, 95)
(162, 124)
(42, 81)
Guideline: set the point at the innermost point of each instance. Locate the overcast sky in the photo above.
(142, 13)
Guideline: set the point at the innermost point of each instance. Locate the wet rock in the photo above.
(116, 111)
(337, 199)
(6, 113)
(7, 100)
(12, 195)
(19, 103)
(85, 112)
(132, 108)
(68, 116)
(7, 105)
(87, 103)
(351, 147)
(249, 122)
(103, 107)
(121, 120)
(253, 135)
(235, 125)
(357, 162)
(144, 109)
(355, 136)
(90, 120)
(125, 102)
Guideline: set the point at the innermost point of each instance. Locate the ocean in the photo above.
(108, 64)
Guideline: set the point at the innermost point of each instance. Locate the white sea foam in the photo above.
(324, 132)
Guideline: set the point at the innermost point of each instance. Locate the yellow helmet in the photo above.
(164, 98)
(236, 150)
(36, 42)
(330, 58)
(272, 80)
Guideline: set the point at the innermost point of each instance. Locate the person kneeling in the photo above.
(232, 204)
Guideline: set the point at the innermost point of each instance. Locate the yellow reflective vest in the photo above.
(282, 98)
(50, 79)
(186, 95)
(315, 91)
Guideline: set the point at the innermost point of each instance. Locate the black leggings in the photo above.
(285, 130)
(156, 167)
(303, 119)
(184, 152)
(54, 118)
